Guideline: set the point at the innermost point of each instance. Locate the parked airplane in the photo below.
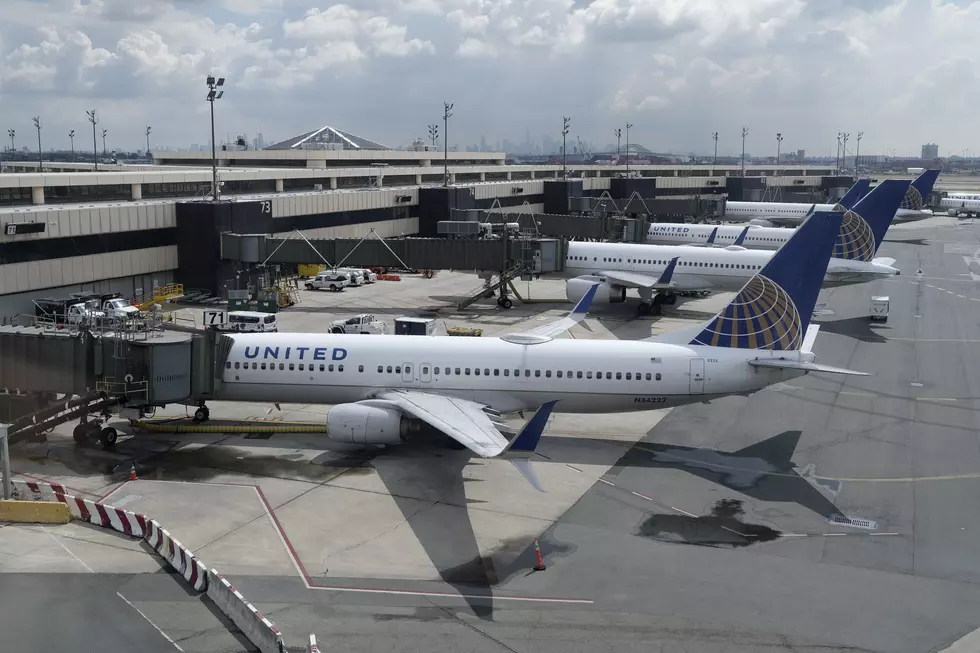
(961, 205)
(756, 212)
(658, 272)
(383, 387)
(875, 213)
(784, 214)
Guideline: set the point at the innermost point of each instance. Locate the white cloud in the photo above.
(476, 48)
(679, 69)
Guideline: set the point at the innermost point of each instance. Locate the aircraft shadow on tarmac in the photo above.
(918, 242)
(858, 328)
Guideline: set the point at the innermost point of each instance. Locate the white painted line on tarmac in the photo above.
(642, 496)
(158, 629)
(835, 534)
(794, 535)
(68, 551)
(602, 480)
(683, 512)
(574, 469)
(884, 534)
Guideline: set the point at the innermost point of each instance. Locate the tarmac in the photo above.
(822, 514)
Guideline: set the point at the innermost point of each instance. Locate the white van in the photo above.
(251, 322)
(369, 275)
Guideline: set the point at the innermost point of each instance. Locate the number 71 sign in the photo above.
(214, 318)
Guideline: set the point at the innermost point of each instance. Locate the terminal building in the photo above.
(126, 229)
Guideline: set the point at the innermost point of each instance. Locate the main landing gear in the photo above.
(203, 413)
(93, 428)
(654, 305)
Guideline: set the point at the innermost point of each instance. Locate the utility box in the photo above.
(414, 326)
(879, 309)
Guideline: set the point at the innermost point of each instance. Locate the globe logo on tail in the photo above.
(913, 199)
(856, 241)
(762, 316)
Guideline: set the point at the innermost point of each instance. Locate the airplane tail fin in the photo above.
(855, 193)
(711, 238)
(919, 190)
(741, 237)
(773, 310)
(864, 226)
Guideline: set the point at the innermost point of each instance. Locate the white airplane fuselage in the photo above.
(635, 375)
(707, 267)
(662, 233)
(793, 213)
(957, 205)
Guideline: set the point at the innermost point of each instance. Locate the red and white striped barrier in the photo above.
(255, 625)
(180, 558)
(93, 512)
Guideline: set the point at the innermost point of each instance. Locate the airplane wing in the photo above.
(470, 424)
(666, 280)
(462, 420)
(559, 327)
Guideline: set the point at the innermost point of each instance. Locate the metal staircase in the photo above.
(492, 285)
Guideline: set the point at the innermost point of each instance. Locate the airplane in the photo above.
(782, 214)
(383, 388)
(659, 272)
(755, 237)
(973, 195)
(755, 212)
(962, 204)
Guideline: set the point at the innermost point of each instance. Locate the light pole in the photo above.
(837, 159)
(447, 108)
(564, 154)
(92, 118)
(857, 155)
(104, 132)
(71, 135)
(628, 125)
(745, 132)
(619, 136)
(714, 160)
(40, 157)
(214, 93)
(11, 133)
(433, 134)
(148, 129)
(779, 145)
(843, 150)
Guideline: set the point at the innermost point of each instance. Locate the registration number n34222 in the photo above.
(649, 400)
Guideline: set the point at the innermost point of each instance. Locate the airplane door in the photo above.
(407, 373)
(697, 376)
(425, 372)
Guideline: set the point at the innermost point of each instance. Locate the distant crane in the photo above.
(585, 152)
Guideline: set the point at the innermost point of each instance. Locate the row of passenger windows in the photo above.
(450, 371)
(690, 264)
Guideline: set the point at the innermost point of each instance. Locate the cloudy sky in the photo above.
(903, 71)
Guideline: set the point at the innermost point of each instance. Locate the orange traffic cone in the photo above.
(132, 473)
(540, 566)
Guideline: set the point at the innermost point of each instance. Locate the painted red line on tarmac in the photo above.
(282, 535)
(52, 483)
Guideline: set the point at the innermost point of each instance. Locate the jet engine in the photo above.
(760, 222)
(366, 424)
(607, 293)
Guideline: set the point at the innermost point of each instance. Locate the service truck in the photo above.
(414, 326)
(112, 304)
(363, 323)
(328, 281)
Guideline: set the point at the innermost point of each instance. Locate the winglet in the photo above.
(741, 237)
(855, 193)
(711, 238)
(667, 274)
(583, 305)
(526, 442)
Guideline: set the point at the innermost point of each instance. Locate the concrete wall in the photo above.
(386, 229)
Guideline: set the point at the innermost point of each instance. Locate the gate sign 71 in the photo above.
(215, 318)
